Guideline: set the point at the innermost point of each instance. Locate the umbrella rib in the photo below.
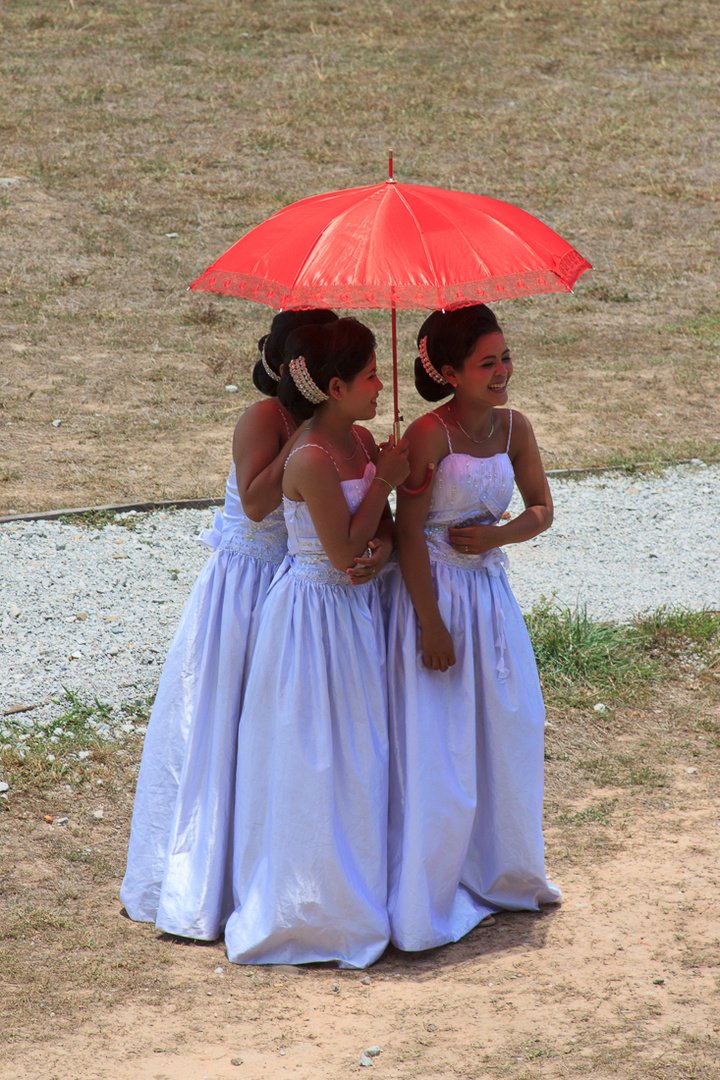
(459, 227)
(428, 256)
(313, 246)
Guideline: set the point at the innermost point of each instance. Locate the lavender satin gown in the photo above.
(466, 745)
(310, 872)
(179, 868)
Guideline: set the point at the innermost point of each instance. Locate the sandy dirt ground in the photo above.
(139, 140)
(621, 979)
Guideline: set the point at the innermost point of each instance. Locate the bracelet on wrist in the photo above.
(391, 486)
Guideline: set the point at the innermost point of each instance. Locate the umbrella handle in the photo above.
(425, 484)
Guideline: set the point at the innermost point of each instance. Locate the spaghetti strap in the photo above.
(362, 444)
(304, 447)
(507, 448)
(284, 418)
(447, 431)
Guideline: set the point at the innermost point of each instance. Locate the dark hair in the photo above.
(341, 348)
(451, 338)
(274, 343)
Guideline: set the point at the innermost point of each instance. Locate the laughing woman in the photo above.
(310, 873)
(179, 868)
(466, 710)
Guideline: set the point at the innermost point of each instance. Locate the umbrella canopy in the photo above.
(395, 245)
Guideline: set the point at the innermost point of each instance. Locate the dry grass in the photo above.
(128, 121)
(619, 793)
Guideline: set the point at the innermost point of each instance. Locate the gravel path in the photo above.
(94, 610)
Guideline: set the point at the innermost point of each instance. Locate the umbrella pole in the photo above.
(396, 407)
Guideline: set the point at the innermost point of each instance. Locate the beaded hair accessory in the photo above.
(273, 374)
(428, 364)
(304, 382)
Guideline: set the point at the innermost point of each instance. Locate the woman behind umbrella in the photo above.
(466, 710)
(311, 813)
(179, 861)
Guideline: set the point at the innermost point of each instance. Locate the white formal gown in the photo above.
(466, 745)
(179, 868)
(310, 871)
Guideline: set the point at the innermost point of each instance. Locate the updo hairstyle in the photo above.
(341, 348)
(451, 338)
(274, 343)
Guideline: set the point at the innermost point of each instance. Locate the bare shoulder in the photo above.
(260, 416)
(307, 469)
(427, 430)
(522, 434)
(366, 439)
(307, 459)
(428, 441)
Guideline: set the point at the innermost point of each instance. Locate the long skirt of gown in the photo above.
(466, 784)
(179, 868)
(310, 869)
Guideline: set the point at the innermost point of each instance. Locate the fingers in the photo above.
(440, 662)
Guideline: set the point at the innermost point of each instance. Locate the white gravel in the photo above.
(94, 610)
(622, 546)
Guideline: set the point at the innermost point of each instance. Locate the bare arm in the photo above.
(428, 444)
(312, 478)
(366, 567)
(260, 450)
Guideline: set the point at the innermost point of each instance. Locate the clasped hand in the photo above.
(369, 566)
(474, 539)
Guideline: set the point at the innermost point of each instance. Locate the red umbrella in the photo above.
(395, 246)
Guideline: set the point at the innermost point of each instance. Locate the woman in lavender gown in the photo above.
(310, 872)
(179, 868)
(466, 710)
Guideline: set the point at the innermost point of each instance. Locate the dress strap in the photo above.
(284, 418)
(507, 448)
(362, 444)
(447, 430)
(304, 447)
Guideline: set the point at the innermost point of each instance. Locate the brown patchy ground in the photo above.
(124, 121)
(620, 981)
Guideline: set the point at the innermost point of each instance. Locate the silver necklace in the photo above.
(467, 434)
(343, 457)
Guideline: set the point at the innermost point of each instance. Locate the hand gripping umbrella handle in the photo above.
(425, 484)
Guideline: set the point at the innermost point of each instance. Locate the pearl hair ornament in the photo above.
(304, 381)
(273, 374)
(427, 363)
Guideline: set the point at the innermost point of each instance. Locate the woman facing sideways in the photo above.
(466, 710)
(310, 869)
(179, 869)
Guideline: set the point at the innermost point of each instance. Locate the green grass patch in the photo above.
(76, 720)
(68, 747)
(582, 662)
(98, 519)
(579, 659)
(622, 771)
(705, 327)
(599, 814)
(673, 630)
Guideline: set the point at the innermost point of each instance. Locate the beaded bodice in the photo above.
(309, 560)
(235, 531)
(468, 491)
